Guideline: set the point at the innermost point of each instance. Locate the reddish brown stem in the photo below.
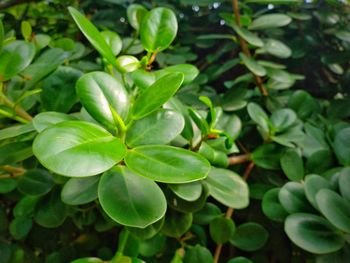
(237, 159)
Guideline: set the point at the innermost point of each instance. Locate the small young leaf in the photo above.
(135, 14)
(252, 65)
(270, 21)
(113, 40)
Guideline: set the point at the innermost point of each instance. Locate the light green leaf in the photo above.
(292, 198)
(190, 72)
(99, 92)
(167, 164)
(270, 21)
(16, 130)
(158, 29)
(313, 184)
(2, 35)
(283, 119)
(250, 37)
(157, 94)
(135, 14)
(78, 149)
(252, 65)
(130, 199)
(14, 58)
(92, 34)
(334, 208)
(313, 233)
(79, 191)
(88, 260)
(160, 127)
(189, 191)
(277, 48)
(47, 119)
(113, 40)
(127, 63)
(26, 30)
(228, 188)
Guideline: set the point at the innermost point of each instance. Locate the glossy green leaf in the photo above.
(158, 29)
(113, 40)
(228, 188)
(47, 119)
(135, 14)
(127, 63)
(176, 224)
(334, 208)
(167, 164)
(147, 232)
(259, 116)
(16, 130)
(313, 184)
(130, 199)
(20, 227)
(88, 260)
(35, 182)
(271, 206)
(157, 94)
(99, 92)
(313, 233)
(216, 158)
(79, 191)
(198, 254)
(344, 183)
(250, 37)
(240, 259)
(283, 119)
(78, 149)
(160, 127)
(189, 191)
(208, 212)
(249, 237)
(190, 72)
(58, 90)
(15, 152)
(270, 21)
(292, 165)
(277, 48)
(50, 211)
(342, 146)
(252, 65)
(221, 229)
(142, 78)
(92, 34)
(292, 198)
(14, 58)
(25, 207)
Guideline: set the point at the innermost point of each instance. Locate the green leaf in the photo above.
(313, 184)
(93, 35)
(303, 104)
(216, 158)
(292, 198)
(157, 94)
(334, 208)
(189, 191)
(190, 72)
(20, 227)
(47, 119)
(16, 130)
(2, 35)
(221, 229)
(79, 191)
(198, 254)
(99, 92)
(50, 211)
(15, 152)
(127, 63)
(249, 237)
(259, 116)
(292, 165)
(14, 58)
(250, 37)
(270, 21)
(160, 127)
(252, 65)
(167, 164)
(7, 185)
(135, 14)
(176, 224)
(277, 48)
(342, 146)
(228, 188)
(58, 90)
(113, 40)
(35, 182)
(130, 199)
(271, 206)
(142, 78)
(25, 207)
(268, 156)
(26, 30)
(274, 2)
(88, 260)
(313, 233)
(78, 149)
(158, 29)
(240, 259)
(344, 183)
(153, 246)
(147, 232)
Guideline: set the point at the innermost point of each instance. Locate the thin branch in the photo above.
(18, 109)
(237, 159)
(245, 49)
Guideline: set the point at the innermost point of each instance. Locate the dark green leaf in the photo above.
(252, 65)
(272, 207)
(292, 165)
(313, 184)
(270, 21)
(222, 229)
(342, 146)
(249, 237)
(344, 183)
(198, 254)
(250, 37)
(15, 152)
(292, 198)
(20, 227)
(35, 182)
(176, 224)
(78, 191)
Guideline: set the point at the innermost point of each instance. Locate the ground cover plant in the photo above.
(174, 131)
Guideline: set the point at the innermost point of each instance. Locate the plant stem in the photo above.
(237, 159)
(229, 211)
(151, 60)
(245, 48)
(19, 111)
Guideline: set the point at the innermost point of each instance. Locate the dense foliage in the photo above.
(174, 131)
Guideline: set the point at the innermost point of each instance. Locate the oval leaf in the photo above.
(270, 21)
(78, 149)
(79, 191)
(167, 164)
(249, 237)
(252, 65)
(130, 199)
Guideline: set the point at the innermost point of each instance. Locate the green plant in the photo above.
(135, 155)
